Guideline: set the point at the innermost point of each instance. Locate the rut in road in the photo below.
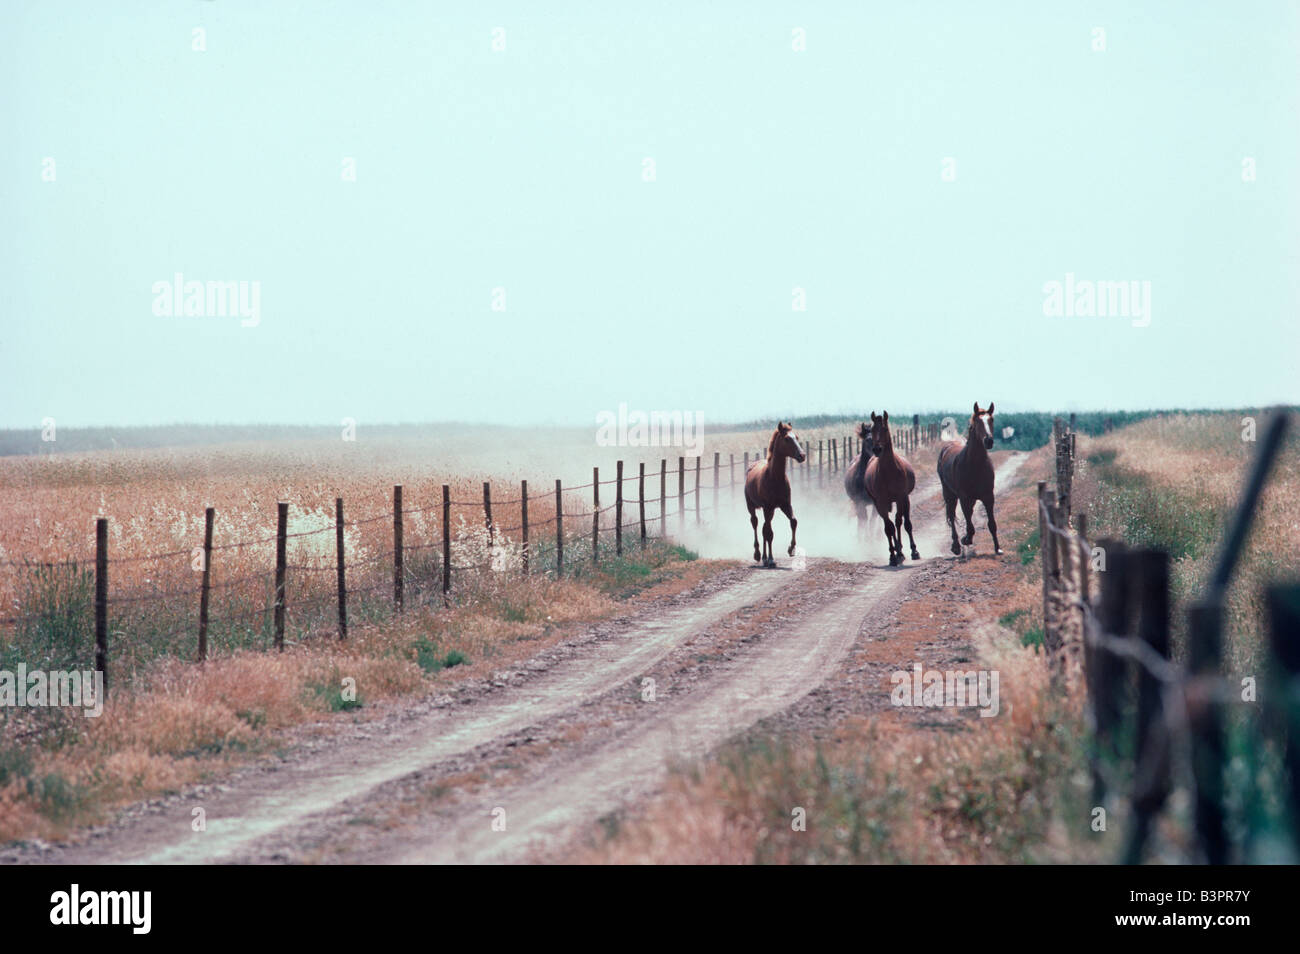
(267, 806)
(265, 802)
(776, 673)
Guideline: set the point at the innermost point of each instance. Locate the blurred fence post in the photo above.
(1104, 669)
(1284, 637)
(1204, 629)
(681, 495)
(523, 524)
(640, 496)
(663, 497)
(341, 564)
(717, 464)
(618, 510)
(595, 514)
(446, 545)
(559, 530)
(697, 489)
(281, 552)
(487, 517)
(398, 548)
(101, 597)
(209, 516)
(1152, 753)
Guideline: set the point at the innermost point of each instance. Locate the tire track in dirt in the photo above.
(269, 806)
(774, 674)
(265, 802)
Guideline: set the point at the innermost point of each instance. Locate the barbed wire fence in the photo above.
(1106, 622)
(552, 546)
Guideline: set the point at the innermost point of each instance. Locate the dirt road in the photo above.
(516, 772)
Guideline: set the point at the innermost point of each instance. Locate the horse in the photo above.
(767, 486)
(966, 474)
(889, 479)
(855, 476)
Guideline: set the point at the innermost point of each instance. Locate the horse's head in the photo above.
(785, 442)
(864, 436)
(981, 426)
(881, 439)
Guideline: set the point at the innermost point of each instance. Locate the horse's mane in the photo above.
(771, 444)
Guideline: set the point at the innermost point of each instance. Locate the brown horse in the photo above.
(889, 480)
(767, 486)
(855, 479)
(966, 473)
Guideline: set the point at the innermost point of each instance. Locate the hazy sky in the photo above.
(524, 169)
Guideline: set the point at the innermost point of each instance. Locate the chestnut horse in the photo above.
(966, 473)
(855, 479)
(889, 480)
(767, 486)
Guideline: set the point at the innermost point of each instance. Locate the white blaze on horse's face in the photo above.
(986, 422)
(798, 447)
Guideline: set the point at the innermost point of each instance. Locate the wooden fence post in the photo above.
(731, 475)
(1205, 626)
(595, 514)
(1104, 669)
(101, 597)
(681, 495)
(618, 510)
(398, 548)
(1151, 774)
(1284, 637)
(340, 564)
(209, 516)
(559, 531)
(663, 497)
(487, 518)
(523, 514)
(640, 496)
(717, 460)
(697, 489)
(1047, 542)
(281, 553)
(446, 545)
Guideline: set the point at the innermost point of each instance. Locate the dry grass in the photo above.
(878, 792)
(169, 721)
(1173, 482)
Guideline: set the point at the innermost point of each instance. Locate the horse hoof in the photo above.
(956, 549)
(997, 550)
(915, 555)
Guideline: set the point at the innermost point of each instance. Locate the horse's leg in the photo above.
(993, 524)
(950, 506)
(788, 510)
(767, 536)
(889, 533)
(905, 509)
(753, 522)
(968, 505)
